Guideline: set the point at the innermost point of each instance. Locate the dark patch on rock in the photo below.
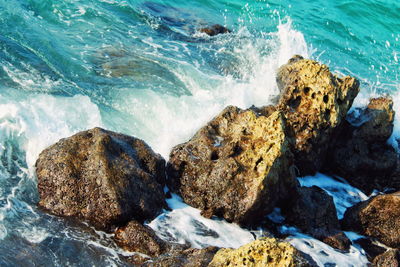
(378, 217)
(313, 211)
(315, 103)
(237, 167)
(102, 177)
(361, 155)
(372, 250)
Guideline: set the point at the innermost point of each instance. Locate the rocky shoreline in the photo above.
(241, 166)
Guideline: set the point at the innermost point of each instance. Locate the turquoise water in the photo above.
(142, 68)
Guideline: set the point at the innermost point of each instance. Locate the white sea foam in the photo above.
(324, 255)
(170, 120)
(185, 225)
(42, 120)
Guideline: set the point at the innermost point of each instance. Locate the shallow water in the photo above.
(141, 68)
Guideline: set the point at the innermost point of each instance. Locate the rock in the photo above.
(361, 154)
(187, 258)
(135, 237)
(378, 217)
(215, 30)
(236, 167)
(314, 102)
(262, 252)
(313, 211)
(390, 258)
(379, 126)
(102, 177)
(372, 250)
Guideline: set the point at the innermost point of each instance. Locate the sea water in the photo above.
(143, 69)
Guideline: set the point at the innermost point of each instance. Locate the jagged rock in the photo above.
(187, 258)
(313, 211)
(236, 167)
(378, 217)
(262, 252)
(361, 154)
(390, 258)
(102, 177)
(215, 30)
(314, 102)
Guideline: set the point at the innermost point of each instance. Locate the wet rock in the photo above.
(236, 167)
(372, 250)
(378, 217)
(313, 211)
(215, 30)
(187, 258)
(361, 154)
(262, 252)
(135, 237)
(390, 258)
(102, 177)
(315, 103)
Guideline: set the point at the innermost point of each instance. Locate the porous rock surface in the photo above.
(314, 102)
(262, 252)
(390, 258)
(313, 211)
(361, 154)
(236, 167)
(102, 177)
(378, 217)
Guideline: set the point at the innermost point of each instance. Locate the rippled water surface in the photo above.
(142, 68)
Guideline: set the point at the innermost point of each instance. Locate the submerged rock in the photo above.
(361, 153)
(378, 217)
(314, 102)
(102, 177)
(215, 30)
(390, 258)
(313, 211)
(236, 167)
(262, 252)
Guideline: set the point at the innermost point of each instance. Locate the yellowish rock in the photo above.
(315, 103)
(261, 253)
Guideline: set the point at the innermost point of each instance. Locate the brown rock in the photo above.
(236, 167)
(378, 217)
(262, 252)
(135, 237)
(215, 30)
(102, 177)
(313, 211)
(187, 258)
(314, 102)
(361, 154)
(390, 258)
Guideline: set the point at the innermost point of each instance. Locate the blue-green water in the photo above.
(142, 68)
